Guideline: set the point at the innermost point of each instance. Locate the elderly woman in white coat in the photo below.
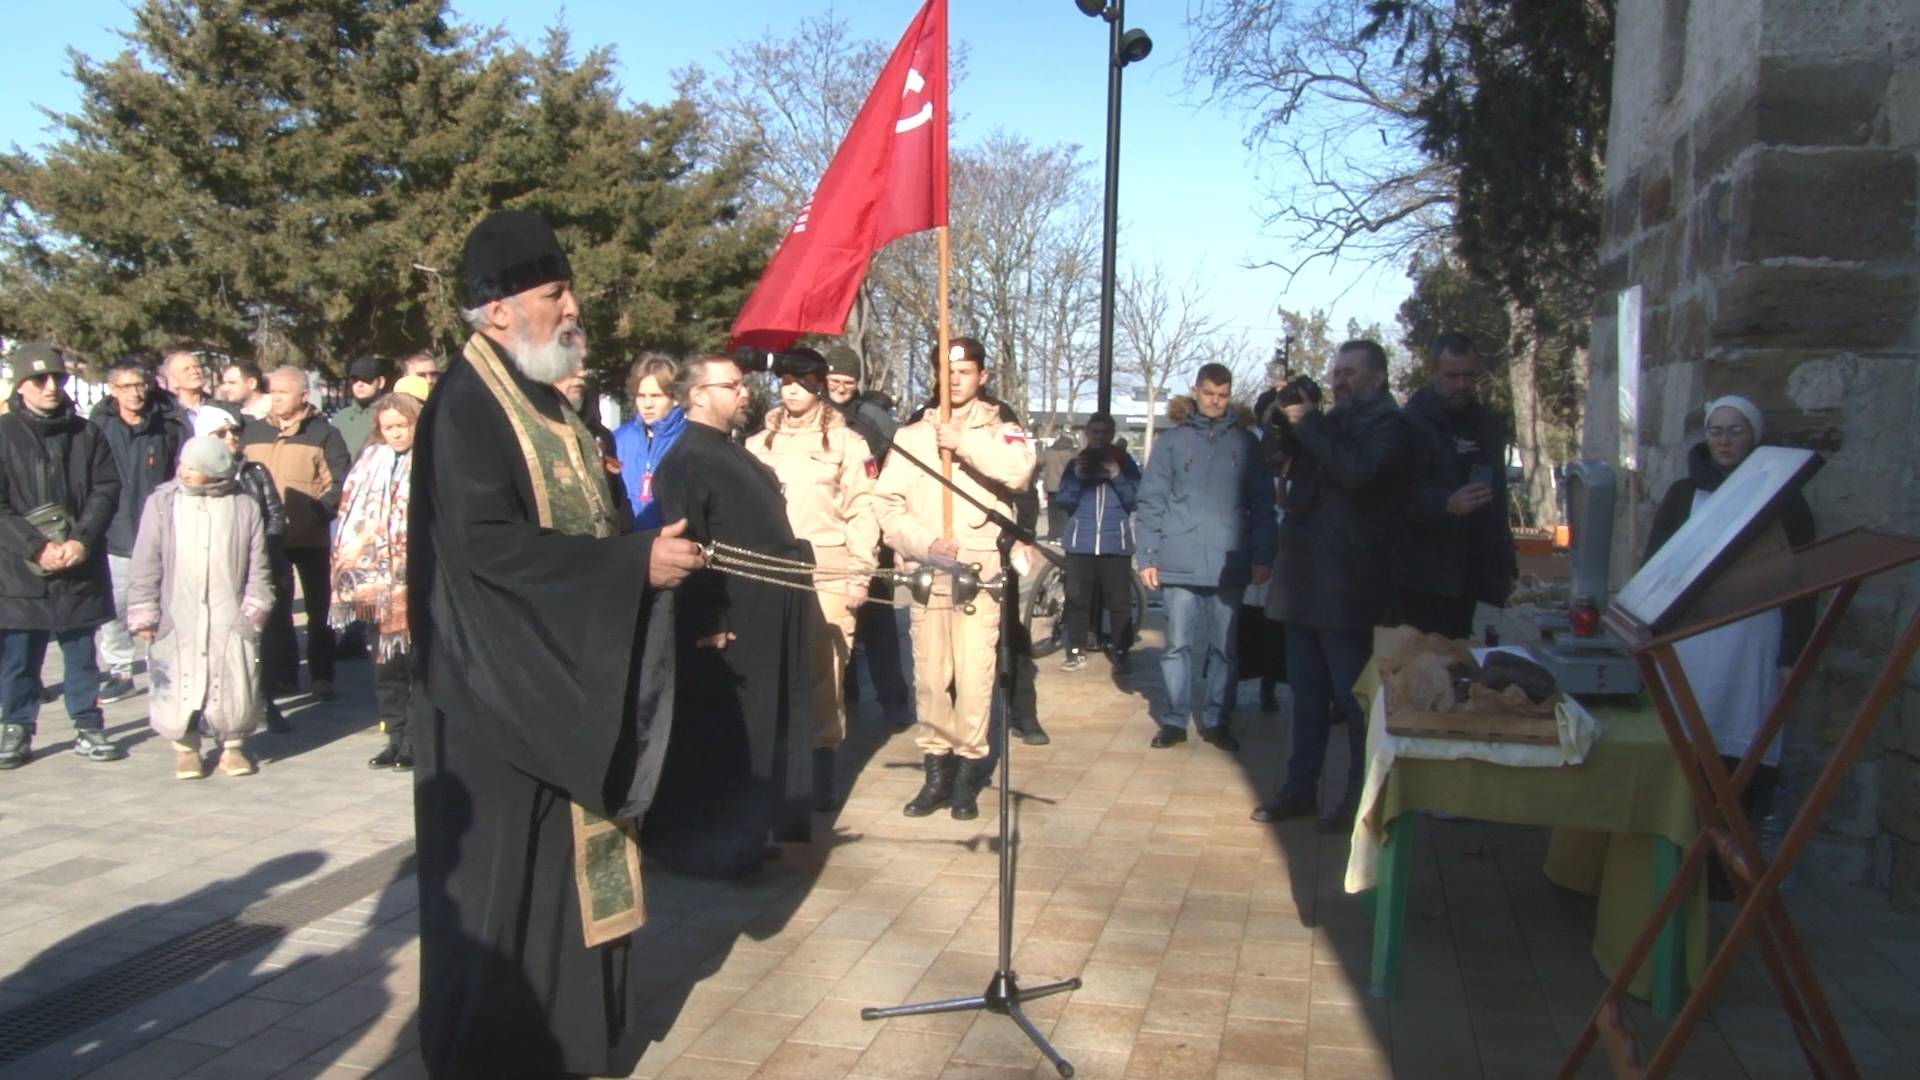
(200, 592)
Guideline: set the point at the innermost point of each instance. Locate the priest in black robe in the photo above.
(545, 660)
(738, 766)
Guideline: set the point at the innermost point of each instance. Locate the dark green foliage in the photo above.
(1516, 95)
(293, 180)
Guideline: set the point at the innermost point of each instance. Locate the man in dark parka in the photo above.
(58, 493)
(544, 645)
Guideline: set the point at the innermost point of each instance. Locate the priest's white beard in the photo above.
(565, 355)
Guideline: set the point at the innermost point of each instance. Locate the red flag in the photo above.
(888, 179)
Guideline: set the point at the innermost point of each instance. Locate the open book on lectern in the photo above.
(1716, 534)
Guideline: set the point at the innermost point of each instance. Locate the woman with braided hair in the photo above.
(826, 473)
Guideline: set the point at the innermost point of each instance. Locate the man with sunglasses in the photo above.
(58, 494)
(145, 437)
(1458, 547)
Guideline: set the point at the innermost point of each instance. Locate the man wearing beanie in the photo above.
(366, 381)
(544, 691)
(876, 633)
(58, 493)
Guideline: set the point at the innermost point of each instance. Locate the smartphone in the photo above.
(1480, 474)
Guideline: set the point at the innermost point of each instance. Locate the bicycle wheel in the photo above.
(1045, 611)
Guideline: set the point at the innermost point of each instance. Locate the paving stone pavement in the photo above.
(1210, 946)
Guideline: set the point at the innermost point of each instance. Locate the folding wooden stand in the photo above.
(1767, 576)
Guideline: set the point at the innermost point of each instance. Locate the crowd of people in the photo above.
(588, 642)
(167, 526)
(1344, 517)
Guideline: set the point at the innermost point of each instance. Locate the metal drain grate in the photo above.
(81, 1004)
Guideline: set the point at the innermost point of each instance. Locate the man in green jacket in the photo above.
(366, 381)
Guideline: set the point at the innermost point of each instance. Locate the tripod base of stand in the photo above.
(1003, 995)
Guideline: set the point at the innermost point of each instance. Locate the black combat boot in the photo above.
(938, 790)
(974, 774)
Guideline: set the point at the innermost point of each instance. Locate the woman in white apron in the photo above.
(1736, 671)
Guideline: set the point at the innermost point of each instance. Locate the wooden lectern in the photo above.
(1729, 568)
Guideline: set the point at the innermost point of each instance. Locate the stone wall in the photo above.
(1761, 189)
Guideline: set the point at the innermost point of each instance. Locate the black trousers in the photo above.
(315, 570)
(393, 690)
(1105, 581)
(1448, 616)
(876, 638)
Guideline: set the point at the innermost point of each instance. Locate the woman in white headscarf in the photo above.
(1736, 671)
(199, 594)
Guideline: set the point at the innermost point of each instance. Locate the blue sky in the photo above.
(1190, 192)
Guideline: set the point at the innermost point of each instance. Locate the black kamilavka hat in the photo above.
(508, 253)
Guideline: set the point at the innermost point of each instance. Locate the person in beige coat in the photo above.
(199, 595)
(826, 473)
(954, 652)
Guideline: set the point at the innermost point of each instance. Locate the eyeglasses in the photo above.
(735, 385)
(130, 385)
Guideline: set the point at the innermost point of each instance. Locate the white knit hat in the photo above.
(1740, 405)
(208, 456)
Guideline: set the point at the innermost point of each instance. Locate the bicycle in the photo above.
(1043, 605)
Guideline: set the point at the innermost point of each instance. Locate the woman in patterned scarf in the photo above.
(370, 565)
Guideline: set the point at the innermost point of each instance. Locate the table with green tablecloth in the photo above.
(1620, 819)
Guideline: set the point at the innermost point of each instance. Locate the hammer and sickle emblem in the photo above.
(916, 82)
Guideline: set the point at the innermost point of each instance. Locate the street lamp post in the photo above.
(1123, 48)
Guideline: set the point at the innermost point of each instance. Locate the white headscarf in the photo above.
(1740, 405)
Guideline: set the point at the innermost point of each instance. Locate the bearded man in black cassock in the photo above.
(545, 653)
(739, 764)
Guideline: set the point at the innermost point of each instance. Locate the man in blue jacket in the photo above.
(1095, 491)
(1205, 529)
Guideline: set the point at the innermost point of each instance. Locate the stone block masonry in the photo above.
(1763, 189)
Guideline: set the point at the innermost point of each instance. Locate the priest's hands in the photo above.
(714, 641)
(672, 558)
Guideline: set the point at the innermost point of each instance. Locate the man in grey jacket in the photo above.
(1205, 528)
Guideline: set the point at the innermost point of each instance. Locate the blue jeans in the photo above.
(22, 652)
(1322, 666)
(1201, 624)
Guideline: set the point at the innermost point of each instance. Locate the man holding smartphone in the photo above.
(1459, 544)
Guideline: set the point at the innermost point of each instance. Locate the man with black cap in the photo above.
(58, 493)
(366, 381)
(545, 690)
(876, 632)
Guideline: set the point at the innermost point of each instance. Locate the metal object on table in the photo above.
(1581, 663)
(1764, 578)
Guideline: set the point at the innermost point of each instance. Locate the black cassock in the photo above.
(545, 663)
(737, 766)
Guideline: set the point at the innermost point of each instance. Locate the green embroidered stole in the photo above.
(571, 496)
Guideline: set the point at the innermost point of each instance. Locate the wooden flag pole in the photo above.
(945, 375)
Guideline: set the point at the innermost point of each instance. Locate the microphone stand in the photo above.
(1004, 994)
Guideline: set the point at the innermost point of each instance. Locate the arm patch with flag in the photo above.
(1016, 435)
(872, 466)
